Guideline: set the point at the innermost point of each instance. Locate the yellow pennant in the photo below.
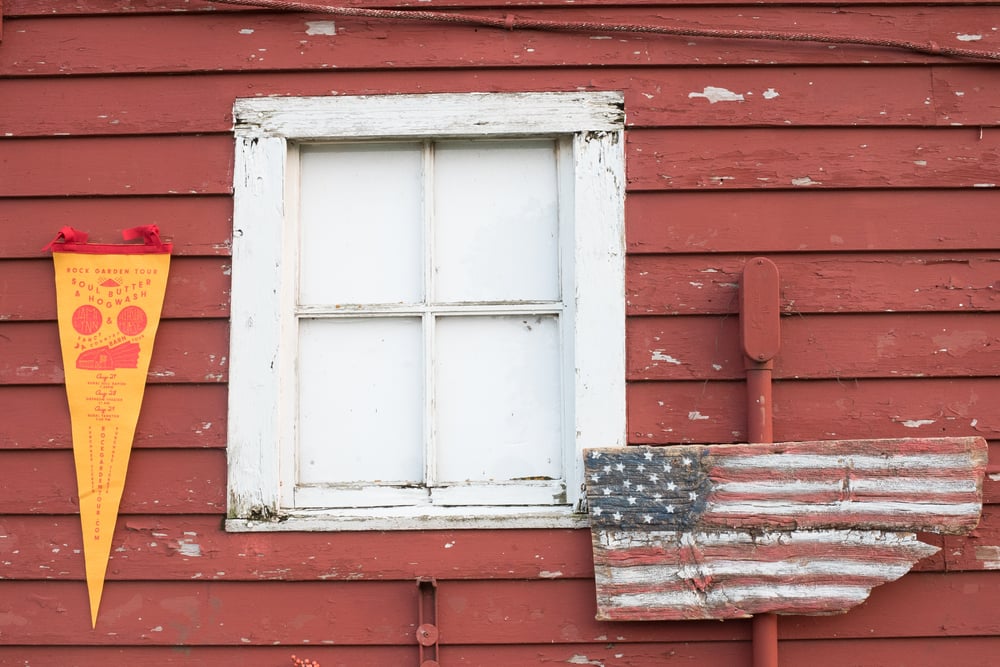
(109, 298)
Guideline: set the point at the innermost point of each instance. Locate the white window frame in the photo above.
(262, 348)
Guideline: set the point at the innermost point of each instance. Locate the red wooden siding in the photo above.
(867, 174)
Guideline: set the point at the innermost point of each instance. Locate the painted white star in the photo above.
(671, 486)
(598, 511)
(631, 501)
(686, 461)
(649, 456)
(639, 488)
(595, 455)
(607, 492)
(692, 495)
(607, 468)
(627, 484)
(620, 467)
(667, 467)
(640, 467)
(654, 478)
(670, 509)
(617, 516)
(658, 497)
(647, 519)
(595, 478)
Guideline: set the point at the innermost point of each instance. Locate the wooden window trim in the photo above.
(263, 280)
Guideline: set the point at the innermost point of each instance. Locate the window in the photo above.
(427, 309)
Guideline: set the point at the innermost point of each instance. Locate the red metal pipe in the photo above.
(759, 410)
(760, 340)
(759, 429)
(765, 640)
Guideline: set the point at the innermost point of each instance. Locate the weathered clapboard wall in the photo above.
(867, 174)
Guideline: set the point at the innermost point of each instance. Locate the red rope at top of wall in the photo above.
(511, 22)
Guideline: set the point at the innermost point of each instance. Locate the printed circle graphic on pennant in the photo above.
(87, 320)
(132, 320)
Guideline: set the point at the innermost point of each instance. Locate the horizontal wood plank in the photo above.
(531, 612)
(252, 656)
(195, 225)
(183, 548)
(476, 612)
(951, 604)
(789, 158)
(199, 613)
(196, 288)
(158, 482)
(821, 283)
(184, 351)
(915, 651)
(798, 96)
(196, 613)
(675, 97)
(714, 412)
(682, 159)
(597, 652)
(811, 221)
(227, 41)
(173, 415)
(919, 652)
(63, 8)
(116, 166)
(819, 346)
(948, 604)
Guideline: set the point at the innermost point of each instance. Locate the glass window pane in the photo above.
(496, 221)
(360, 400)
(361, 216)
(497, 397)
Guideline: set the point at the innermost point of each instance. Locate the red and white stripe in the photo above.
(903, 484)
(791, 528)
(667, 575)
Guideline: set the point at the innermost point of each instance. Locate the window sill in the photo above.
(414, 518)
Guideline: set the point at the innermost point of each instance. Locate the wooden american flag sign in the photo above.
(729, 531)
